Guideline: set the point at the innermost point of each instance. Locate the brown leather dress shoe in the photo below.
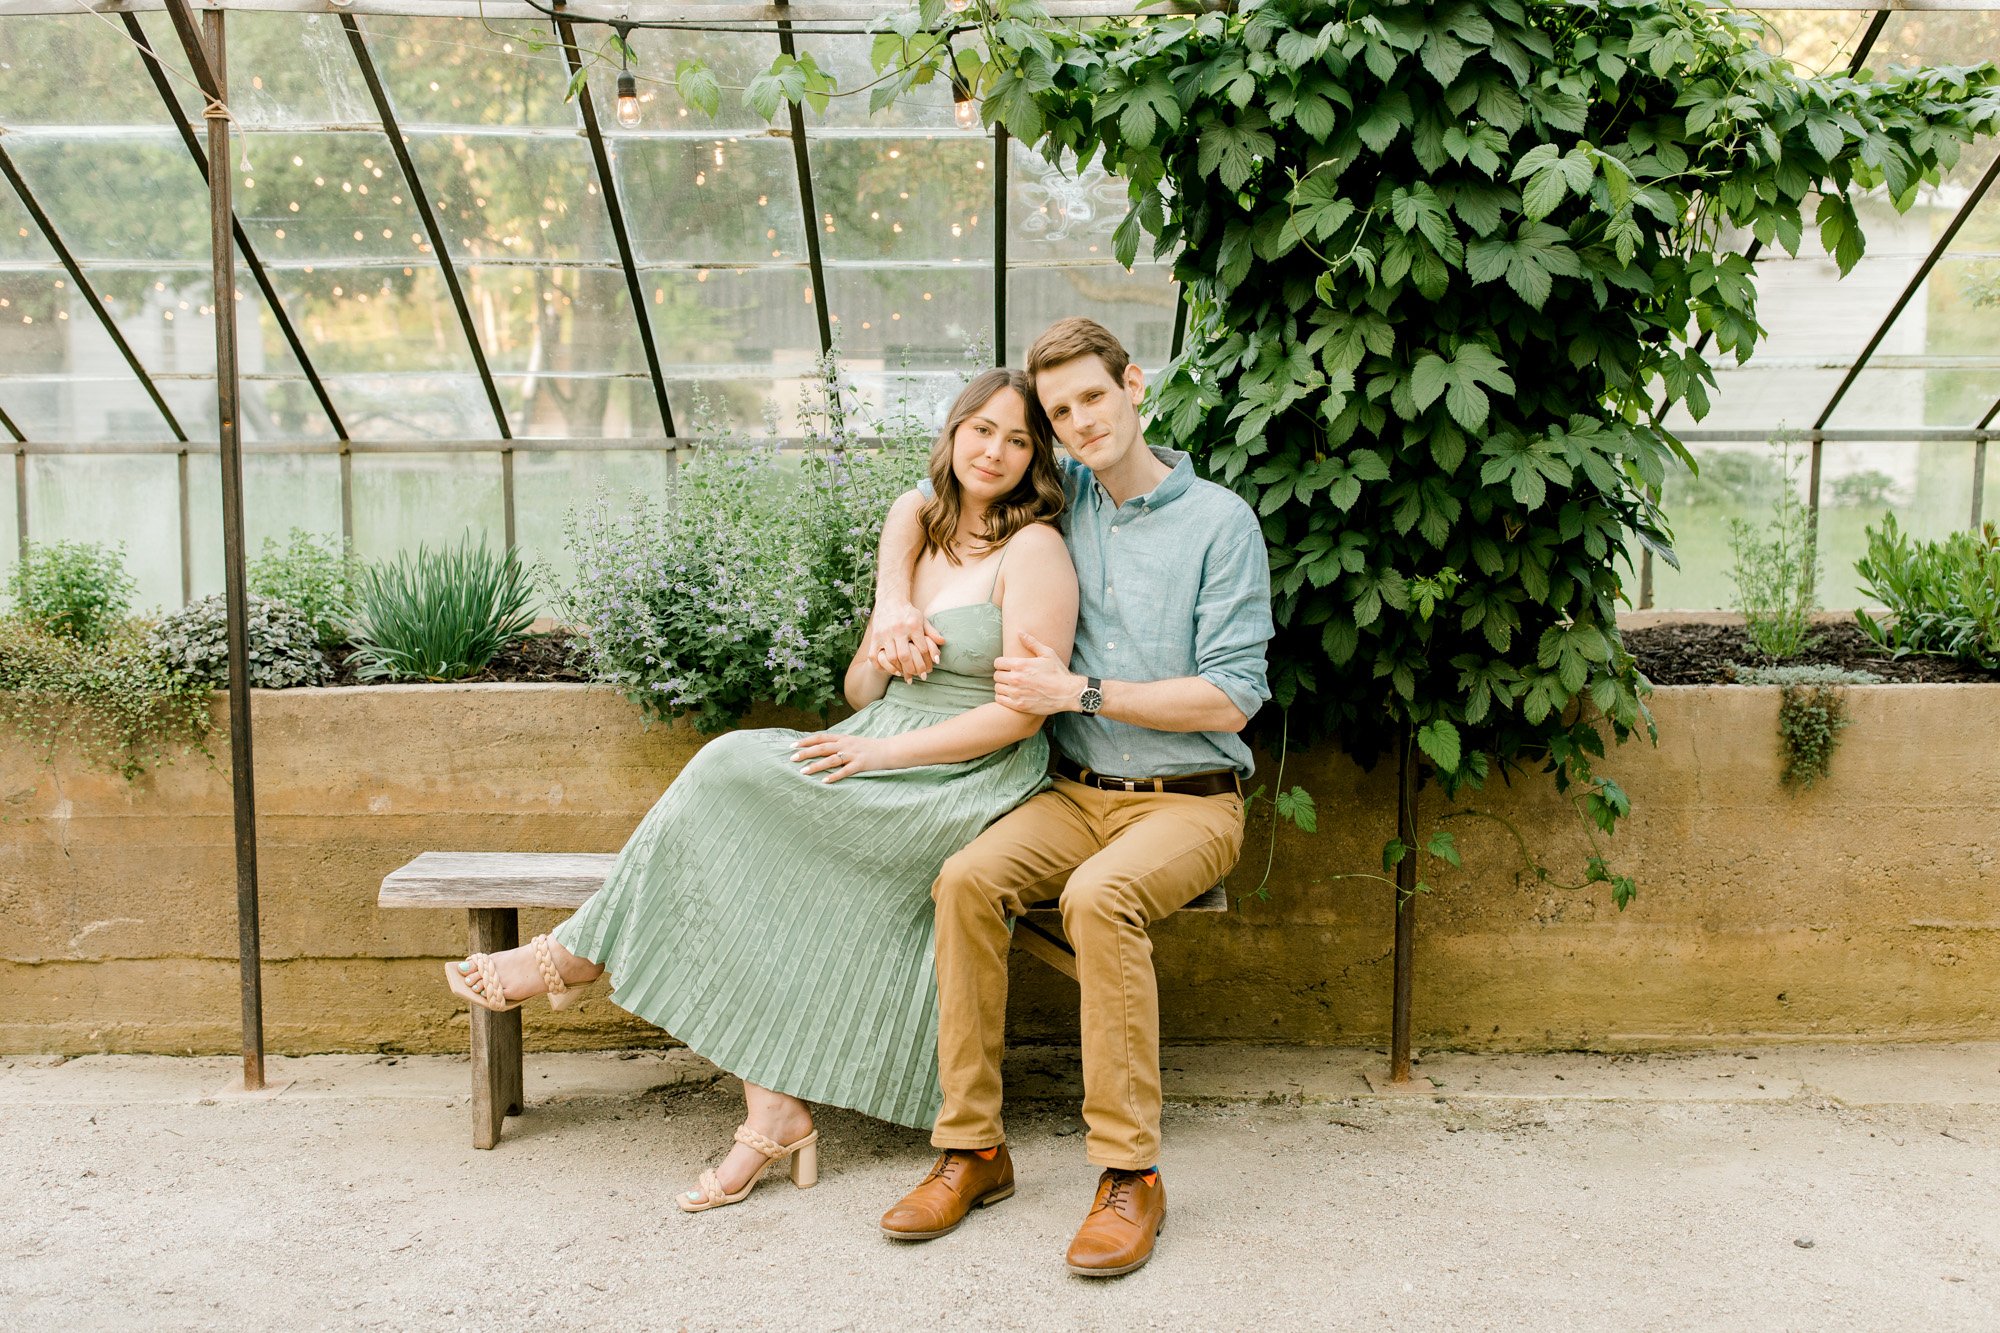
(961, 1181)
(1117, 1237)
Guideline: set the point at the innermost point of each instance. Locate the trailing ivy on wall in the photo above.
(1445, 264)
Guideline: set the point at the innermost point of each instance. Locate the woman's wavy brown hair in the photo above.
(1039, 497)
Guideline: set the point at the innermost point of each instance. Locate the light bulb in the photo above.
(959, 6)
(966, 113)
(628, 100)
(340, 4)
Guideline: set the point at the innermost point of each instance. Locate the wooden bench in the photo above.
(493, 887)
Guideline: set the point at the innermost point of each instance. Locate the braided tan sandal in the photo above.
(804, 1157)
(487, 992)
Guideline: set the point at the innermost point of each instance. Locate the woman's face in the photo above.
(991, 450)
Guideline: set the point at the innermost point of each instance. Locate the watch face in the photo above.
(1092, 700)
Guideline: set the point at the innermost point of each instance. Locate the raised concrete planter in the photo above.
(1865, 908)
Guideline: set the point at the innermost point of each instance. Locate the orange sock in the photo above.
(986, 1154)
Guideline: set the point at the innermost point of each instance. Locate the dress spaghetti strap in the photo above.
(998, 560)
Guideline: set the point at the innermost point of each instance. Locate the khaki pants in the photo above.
(1120, 861)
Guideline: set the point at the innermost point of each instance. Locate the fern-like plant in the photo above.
(438, 615)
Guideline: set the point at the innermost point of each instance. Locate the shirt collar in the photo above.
(1173, 484)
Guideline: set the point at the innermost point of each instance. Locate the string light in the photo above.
(964, 110)
(628, 87)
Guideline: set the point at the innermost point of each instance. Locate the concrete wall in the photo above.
(1868, 907)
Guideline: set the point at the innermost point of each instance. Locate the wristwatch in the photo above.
(1092, 697)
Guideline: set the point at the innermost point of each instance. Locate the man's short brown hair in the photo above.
(1067, 339)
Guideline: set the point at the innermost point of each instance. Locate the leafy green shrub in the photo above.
(751, 578)
(284, 647)
(438, 615)
(1777, 572)
(1444, 267)
(79, 590)
(1942, 597)
(1812, 712)
(313, 574)
(109, 700)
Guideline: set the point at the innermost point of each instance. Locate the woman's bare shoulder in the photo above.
(1040, 541)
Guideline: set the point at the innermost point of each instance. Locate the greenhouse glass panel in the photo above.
(83, 409)
(1939, 364)
(549, 487)
(402, 501)
(1815, 41)
(905, 198)
(284, 69)
(281, 492)
(45, 60)
(734, 58)
(567, 320)
(413, 406)
(590, 405)
(519, 196)
(740, 403)
(10, 533)
(915, 316)
(133, 503)
(21, 241)
(710, 200)
(1926, 484)
(37, 309)
(461, 72)
(847, 58)
(1735, 482)
(1138, 306)
(747, 317)
(1057, 215)
(275, 409)
(1758, 400)
(334, 197)
(120, 196)
(385, 318)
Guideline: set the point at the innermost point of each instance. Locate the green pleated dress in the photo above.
(782, 927)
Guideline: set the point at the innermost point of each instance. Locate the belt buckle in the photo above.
(1128, 784)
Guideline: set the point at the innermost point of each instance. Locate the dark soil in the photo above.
(1711, 654)
(1668, 654)
(538, 657)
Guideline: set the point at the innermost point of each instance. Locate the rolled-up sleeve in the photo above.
(1233, 614)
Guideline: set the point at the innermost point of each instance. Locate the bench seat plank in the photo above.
(468, 880)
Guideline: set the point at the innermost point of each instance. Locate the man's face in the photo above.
(1095, 416)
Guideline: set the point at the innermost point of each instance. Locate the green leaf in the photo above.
(1297, 806)
(698, 87)
(1439, 739)
(1393, 852)
(1443, 846)
(1234, 148)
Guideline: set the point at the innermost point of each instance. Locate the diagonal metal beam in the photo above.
(1001, 156)
(7, 424)
(158, 73)
(802, 160)
(609, 187)
(85, 290)
(439, 247)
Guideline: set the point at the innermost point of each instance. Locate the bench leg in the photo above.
(496, 1038)
(1047, 945)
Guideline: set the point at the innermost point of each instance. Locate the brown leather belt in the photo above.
(1213, 783)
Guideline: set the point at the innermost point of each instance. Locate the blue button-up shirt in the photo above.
(1172, 583)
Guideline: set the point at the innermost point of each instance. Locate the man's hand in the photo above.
(1037, 685)
(901, 642)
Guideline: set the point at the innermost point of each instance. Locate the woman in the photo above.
(772, 911)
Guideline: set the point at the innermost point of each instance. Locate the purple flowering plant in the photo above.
(751, 577)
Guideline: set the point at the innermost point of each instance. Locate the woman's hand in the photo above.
(839, 756)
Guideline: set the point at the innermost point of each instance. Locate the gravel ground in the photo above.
(352, 1200)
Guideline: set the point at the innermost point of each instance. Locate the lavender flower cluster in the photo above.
(752, 577)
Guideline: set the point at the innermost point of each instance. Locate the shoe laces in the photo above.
(1122, 1185)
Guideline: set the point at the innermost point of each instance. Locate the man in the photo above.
(1146, 811)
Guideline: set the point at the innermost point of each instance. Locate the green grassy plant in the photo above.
(1812, 712)
(438, 615)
